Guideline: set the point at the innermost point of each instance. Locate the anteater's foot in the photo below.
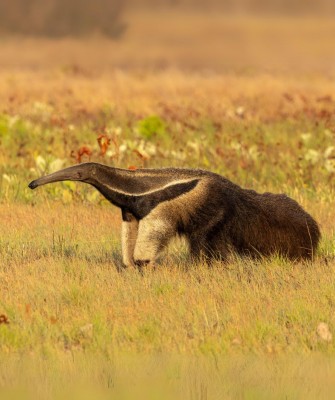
(145, 265)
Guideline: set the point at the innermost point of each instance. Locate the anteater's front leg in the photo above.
(129, 232)
(154, 234)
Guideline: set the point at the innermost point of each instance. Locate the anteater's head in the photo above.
(82, 172)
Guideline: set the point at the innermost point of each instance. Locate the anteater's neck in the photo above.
(133, 190)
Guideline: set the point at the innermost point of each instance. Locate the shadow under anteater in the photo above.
(215, 215)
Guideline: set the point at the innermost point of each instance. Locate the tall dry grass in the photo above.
(78, 326)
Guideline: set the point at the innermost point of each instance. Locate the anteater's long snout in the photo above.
(75, 173)
(44, 180)
(33, 185)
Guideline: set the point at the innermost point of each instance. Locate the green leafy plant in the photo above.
(151, 126)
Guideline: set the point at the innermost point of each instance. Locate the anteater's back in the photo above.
(264, 224)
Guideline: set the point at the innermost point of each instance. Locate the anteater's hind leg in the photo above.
(209, 243)
(153, 235)
(207, 251)
(129, 233)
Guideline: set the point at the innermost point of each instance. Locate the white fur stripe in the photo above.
(150, 191)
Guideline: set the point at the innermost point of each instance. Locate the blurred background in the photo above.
(200, 83)
(209, 35)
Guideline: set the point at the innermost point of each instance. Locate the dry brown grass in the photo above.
(60, 272)
(79, 327)
(264, 97)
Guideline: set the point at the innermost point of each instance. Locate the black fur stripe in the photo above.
(141, 206)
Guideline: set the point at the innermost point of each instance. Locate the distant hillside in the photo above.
(241, 6)
(61, 17)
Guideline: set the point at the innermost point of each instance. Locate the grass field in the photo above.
(72, 324)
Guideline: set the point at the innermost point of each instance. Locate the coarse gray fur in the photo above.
(215, 215)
